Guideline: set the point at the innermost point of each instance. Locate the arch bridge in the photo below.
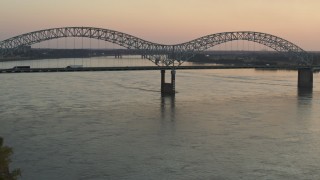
(160, 54)
(167, 55)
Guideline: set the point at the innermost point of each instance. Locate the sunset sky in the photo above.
(168, 21)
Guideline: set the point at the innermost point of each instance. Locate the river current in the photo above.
(221, 124)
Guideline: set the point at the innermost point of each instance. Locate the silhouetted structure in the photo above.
(5, 153)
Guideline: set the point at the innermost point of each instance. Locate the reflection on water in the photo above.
(305, 103)
(168, 107)
(305, 93)
(223, 124)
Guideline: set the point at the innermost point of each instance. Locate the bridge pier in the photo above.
(305, 78)
(168, 88)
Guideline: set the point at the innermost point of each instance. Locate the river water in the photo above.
(222, 124)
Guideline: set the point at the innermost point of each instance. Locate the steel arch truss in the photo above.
(278, 44)
(160, 54)
(151, 50)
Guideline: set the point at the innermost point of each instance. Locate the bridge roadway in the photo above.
(144, 68)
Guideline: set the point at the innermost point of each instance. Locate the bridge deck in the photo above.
(144, 68)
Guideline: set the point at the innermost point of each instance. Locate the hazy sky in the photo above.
(168, 21)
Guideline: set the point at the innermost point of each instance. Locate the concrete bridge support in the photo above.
(305, 78)
(168, 88)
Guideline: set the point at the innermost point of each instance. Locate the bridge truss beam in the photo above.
(160, 54)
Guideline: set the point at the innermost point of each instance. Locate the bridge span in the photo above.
(168, 55)
(165, 57)
(148, 68)
(305, 74)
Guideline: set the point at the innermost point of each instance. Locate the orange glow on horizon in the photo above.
(168, 22)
